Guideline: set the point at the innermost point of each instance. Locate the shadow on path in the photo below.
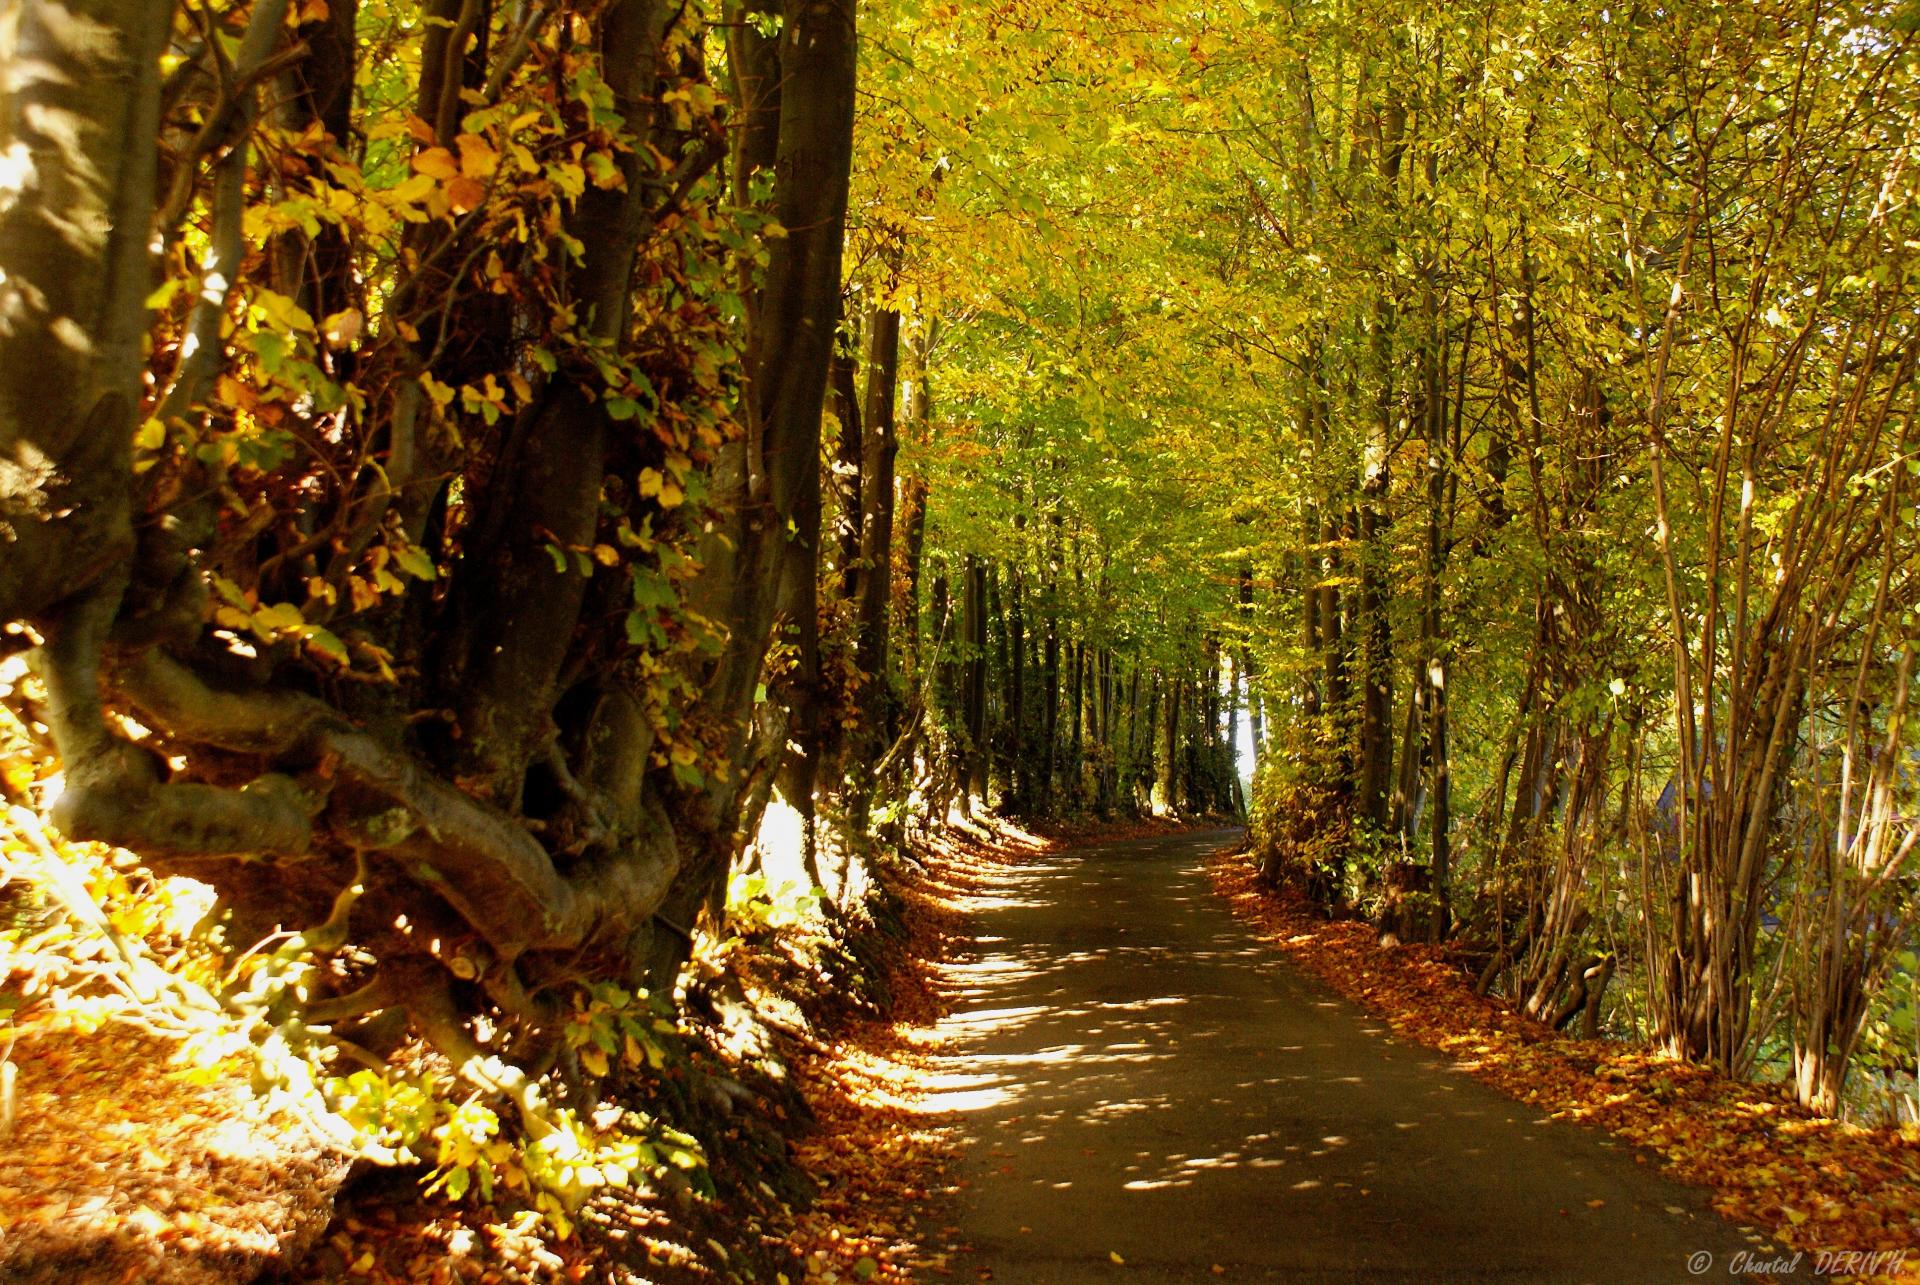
(1137, 1075)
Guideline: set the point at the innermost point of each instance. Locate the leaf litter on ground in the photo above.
(1816, 1185)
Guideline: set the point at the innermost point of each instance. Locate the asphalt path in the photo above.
(1148, 1093)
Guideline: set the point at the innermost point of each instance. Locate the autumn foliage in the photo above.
(503, 503)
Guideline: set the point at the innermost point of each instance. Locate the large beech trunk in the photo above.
(504, 790)
(83, 110)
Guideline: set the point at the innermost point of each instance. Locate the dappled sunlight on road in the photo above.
(1047, 1070)
(1130, 1074)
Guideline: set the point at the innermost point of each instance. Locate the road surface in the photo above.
(1147, 1093)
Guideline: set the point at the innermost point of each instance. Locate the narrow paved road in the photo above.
(1138, 1076)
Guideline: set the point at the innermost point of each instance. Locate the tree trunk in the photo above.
(1169, 782)
(975, 616)
(1022, 777)
(848, 457)
(1050, 731)
(1076, 760)
(872, 649)
(74, 261)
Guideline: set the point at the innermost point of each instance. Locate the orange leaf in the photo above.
(436, 162)
(465, 193)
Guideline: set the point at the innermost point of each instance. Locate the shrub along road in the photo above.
(1148, 1093)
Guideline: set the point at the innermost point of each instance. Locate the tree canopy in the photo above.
(464, 465)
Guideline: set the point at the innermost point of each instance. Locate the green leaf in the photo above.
(413, 560)
(457, 1182)
(327, 644)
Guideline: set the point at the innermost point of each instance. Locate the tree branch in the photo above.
(475, 856)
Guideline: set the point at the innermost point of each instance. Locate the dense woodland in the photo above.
(466, 464)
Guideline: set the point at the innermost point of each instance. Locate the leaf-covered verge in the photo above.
(151, 1154)
(1812, 1182)
(787, 1030)
(799, 1071)
(135, 1140)
(124, 1164)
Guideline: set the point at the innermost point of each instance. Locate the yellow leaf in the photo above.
(281, 313)
(437, 162)
(281, 615)
(411, 191)
(342, 329)
(477, 160)
(1116, 1258)
(442, 394)
(163, 295)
